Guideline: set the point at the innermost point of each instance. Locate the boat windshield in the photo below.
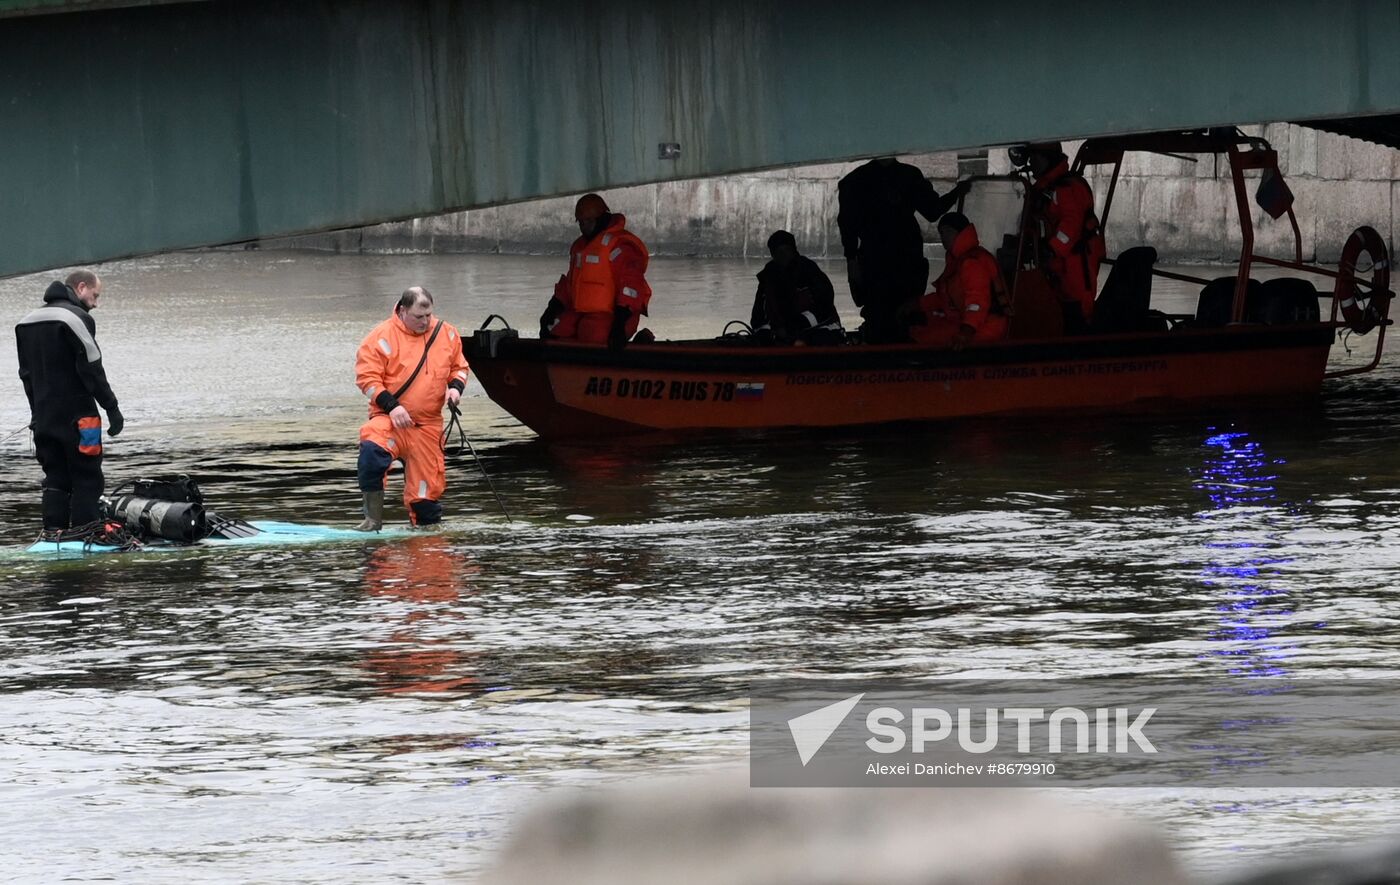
(994, 204)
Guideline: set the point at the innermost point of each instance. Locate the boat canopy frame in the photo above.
(1244, 153)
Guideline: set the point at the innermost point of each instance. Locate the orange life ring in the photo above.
(1363, 311)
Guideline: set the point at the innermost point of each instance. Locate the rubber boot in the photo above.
(55, 509)
(374, 512)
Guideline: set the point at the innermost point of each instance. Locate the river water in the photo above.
(380, 710)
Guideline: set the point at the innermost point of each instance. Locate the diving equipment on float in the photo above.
(170, 510)
(168, 516)
(168, 520)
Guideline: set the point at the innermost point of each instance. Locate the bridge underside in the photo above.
(133, 130)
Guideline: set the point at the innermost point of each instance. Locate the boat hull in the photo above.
(569, 390)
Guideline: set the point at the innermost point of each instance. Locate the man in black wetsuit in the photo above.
(882, 240)
(61, 367)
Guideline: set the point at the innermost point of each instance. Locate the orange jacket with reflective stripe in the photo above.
(388, 356)
(1068, 210)
(1072, 231)
(964, 291)
(607, 272)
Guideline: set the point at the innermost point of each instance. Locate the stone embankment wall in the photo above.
(1185, 209)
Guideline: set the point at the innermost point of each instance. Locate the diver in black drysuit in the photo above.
(61, 367)
(883, 242)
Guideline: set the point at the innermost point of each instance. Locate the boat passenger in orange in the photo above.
(603, 297)
(408, 367)
(1069, 232)
(969, 299)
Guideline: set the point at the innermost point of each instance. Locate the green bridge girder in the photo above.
(10, 8)
(133, 129)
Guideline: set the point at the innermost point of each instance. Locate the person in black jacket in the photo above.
(795, 303)
(61, 367)
(883, 242)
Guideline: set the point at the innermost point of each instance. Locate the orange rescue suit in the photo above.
(385, 360)
(968, 293)
(1071, 231)
(606, 272)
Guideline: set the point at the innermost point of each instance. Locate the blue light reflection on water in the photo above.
(1237, 473)
(1239, 478)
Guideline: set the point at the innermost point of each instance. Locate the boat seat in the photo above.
(1213, 308)
(1123, 303)
(1289, 300)
(1273, 302)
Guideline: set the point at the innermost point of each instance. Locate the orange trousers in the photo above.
(419, 448)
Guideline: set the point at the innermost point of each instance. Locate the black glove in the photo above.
(551, 313)
(764, 337)
(115, 422)
(617, 336)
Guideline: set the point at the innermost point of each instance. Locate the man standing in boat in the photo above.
(883, 242)
(408, 367)
(968, 304)
(60, 366)
(1071, 241)
(603, 297)
(795, 302)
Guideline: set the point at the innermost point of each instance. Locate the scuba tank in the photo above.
(152, 517)
(172, 510)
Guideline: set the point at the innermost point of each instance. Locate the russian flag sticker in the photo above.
(749, 390)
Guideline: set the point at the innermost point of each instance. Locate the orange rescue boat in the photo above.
(1247, 342)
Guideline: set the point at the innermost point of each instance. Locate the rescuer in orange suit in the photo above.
(603, 297)
(1069, 232)
(968, 301)
(408, 367)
